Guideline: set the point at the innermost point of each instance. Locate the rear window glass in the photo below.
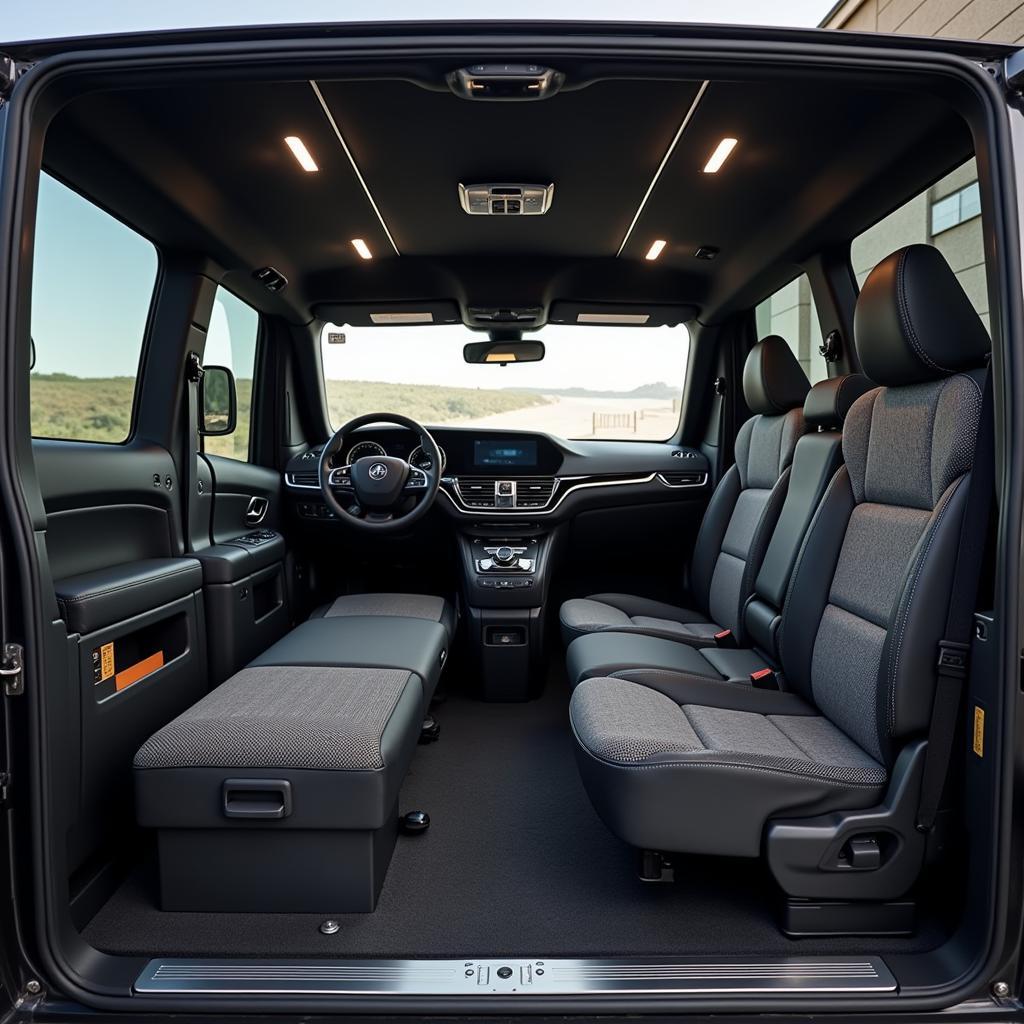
(92, 287)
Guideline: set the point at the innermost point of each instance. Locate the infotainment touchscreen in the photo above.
(512, 453)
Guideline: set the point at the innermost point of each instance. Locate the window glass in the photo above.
(92, 287)
(791, 314)
(948, 216)
(231, 341)
(593, 382)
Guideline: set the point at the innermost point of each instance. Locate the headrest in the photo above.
(773, 380)
(829, 401)
(913, 322)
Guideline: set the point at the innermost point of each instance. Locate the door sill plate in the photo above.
(546, 977)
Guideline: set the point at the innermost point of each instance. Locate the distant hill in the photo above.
(660, 390)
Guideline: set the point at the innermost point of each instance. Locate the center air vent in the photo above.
(506, 200)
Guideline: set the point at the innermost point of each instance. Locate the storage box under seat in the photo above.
(278, 792)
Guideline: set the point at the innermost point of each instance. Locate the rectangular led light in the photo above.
(655, 250)
(636, 319)
(402, 318)
(298, 148)
(362, 248)
(720, 155)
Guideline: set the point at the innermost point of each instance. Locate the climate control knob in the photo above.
(504, 555)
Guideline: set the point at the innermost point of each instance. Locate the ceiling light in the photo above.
(362, 248)
(298, 148)
(655, 250)
(720, 155)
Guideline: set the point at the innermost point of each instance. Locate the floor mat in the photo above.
(515, 863)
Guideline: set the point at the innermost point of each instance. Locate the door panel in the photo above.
(235, 485)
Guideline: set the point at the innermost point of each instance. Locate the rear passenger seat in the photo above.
(278, 791)
(654, 660)
(706, 769)
(738, 522)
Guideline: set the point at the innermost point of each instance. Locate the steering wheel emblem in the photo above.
(378, 471)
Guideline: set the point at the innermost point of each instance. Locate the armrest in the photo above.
(97, 599)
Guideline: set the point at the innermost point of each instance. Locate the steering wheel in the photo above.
(377, 488)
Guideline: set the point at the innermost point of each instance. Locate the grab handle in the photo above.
(265, 799)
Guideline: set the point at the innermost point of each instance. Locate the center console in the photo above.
(505, 573)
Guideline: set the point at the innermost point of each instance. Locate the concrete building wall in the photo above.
(999, 20)
(790, 312)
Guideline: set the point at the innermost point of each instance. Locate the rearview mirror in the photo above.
(219, 403)
(503, 352)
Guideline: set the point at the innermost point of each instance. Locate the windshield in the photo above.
(594, 382)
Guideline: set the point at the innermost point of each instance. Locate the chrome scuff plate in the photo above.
(625, 976)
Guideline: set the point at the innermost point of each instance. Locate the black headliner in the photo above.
(202, 167)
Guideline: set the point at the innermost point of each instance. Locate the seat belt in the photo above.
(955, 647)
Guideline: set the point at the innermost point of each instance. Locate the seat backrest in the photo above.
(745, 506)
(868, 599)
(816, 457)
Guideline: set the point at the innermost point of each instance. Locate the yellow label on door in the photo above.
(979, 731)
(106, 661)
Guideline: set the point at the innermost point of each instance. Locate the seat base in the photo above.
(258, 871)
(839, 918)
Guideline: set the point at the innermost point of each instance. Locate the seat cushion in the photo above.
(341, 737)
(705, 778)
(409, 606)
(626, 613)
(419, 646)
(613, 651)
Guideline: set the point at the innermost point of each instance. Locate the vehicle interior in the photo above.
(515, 515)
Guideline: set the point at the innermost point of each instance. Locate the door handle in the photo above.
(257, 510)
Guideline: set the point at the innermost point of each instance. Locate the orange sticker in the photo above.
(979, 731)
(139, 670)
(106, 662)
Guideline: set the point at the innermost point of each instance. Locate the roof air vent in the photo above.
(506, 200)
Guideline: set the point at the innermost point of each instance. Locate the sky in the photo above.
(41, 19)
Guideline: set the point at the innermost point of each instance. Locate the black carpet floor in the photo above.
(515, 863)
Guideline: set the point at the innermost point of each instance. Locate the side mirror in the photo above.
(503, 352)
(218, 402)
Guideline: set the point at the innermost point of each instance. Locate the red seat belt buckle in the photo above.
(764, 679)
(724, 638)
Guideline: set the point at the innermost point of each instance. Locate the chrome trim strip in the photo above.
(355, 166)
(539, 977)
(545, 511)
(289, 481)
(664, 161)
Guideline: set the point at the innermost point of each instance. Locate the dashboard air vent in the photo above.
(682, 479)
(535, 492)
(478, 491)
(304, 479)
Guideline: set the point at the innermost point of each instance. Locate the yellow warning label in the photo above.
(979, 731)
(106, 661)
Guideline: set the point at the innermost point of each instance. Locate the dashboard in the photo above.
(517, 474)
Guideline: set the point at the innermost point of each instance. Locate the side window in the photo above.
(231, 341)
(948, 216)
(791, 313)
(92, 287)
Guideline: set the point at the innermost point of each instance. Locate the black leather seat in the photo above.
(738, 522)
(657, 660)
(705, 769)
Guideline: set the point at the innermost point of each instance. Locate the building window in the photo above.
(962, 205)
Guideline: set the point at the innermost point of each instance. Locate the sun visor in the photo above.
(390, 314)
(619, 314)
